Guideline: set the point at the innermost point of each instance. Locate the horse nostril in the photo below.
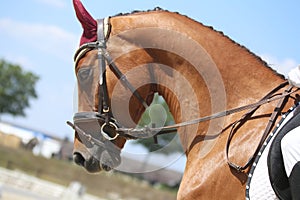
(78, 159)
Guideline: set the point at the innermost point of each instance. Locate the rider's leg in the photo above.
(294, 180)
(290, 146)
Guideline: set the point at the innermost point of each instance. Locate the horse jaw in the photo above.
(88, 23)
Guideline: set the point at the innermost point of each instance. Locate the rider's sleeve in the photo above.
(294, 76)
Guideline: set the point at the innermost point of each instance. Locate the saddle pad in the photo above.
(258, 185)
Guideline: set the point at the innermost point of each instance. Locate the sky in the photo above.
(42, 36)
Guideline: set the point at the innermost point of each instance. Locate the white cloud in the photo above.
(46, 50)
(281, 66)
(48, 38)
(54, 3)
(21, 60)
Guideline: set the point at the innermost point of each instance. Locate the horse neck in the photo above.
(199, 71)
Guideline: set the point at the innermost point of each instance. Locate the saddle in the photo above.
(267, 177)
(278, 177)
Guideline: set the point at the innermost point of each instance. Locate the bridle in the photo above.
(111, 129)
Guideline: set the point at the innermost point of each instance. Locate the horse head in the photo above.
(97, 145)
(91, 156)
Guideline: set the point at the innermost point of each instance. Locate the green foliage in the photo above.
(158, 115)
(17, 87)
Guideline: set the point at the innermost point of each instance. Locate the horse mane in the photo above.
(159, 9)
(141, 11)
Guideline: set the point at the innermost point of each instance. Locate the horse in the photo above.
(198, 71)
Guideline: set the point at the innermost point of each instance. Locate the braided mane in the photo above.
(159, 9)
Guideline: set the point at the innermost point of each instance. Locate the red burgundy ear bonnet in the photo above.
(88, 23)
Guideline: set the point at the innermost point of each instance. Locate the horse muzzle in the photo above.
(97, 158)
(94, 145)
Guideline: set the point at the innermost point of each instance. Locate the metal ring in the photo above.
(106, 111)
(105, 135)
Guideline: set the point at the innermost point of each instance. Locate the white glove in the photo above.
(294, 77)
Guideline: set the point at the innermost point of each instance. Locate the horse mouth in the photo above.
(109, 160)
(92, 165)
(105, 167)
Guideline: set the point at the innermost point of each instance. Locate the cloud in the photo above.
(46, 50)
(281, 66)
(21, 60)
(47, 38)
(54, 3)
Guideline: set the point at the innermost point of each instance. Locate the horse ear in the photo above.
(88, 23)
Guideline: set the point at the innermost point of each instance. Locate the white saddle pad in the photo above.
(258, 185)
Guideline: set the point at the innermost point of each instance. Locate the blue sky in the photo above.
(42, 35)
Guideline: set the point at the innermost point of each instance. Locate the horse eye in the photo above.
(84, 74)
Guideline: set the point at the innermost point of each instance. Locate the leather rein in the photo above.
(105, 115)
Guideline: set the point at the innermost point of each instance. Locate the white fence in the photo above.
(49, 190)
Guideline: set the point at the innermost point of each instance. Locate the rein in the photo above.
(116, 130)
(147, 132)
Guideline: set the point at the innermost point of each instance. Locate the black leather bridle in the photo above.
(104, 115)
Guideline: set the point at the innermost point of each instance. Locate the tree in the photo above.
(158, 114)
(16, 88)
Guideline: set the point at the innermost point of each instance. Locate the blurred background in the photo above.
(37, 41)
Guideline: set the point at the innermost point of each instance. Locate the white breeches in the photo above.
(290, 146)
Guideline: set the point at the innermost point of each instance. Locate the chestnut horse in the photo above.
(198, 71)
